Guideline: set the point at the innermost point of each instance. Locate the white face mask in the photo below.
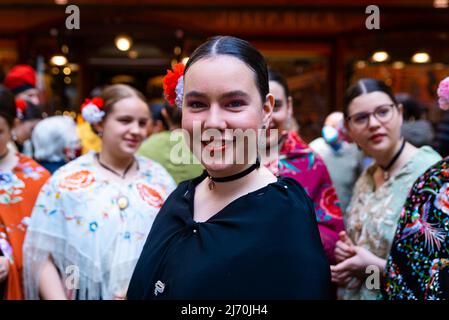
(330, 134)
(332, 137)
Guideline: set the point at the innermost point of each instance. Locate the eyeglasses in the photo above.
(383, 114)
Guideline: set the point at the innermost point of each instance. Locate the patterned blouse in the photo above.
(93, 228)
(418, 265)
(19, 189)
(372, 215)
(298, 161)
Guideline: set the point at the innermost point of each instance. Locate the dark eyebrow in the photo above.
(195, 94)
(236, 93)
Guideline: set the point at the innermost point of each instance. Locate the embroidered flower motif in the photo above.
(30, 170)
(78, 180)
(11, 188)
(150, 196)
(329, 202)
(442, 199)
(33, 173)
(93, 226)
(6, 181)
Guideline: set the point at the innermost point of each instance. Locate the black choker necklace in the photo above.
(396, 156)
(3, 156)
(234, 176)
(113, 171)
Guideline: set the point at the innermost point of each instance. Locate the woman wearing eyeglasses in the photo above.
(374, 119)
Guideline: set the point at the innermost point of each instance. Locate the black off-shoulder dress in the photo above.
(264, 245)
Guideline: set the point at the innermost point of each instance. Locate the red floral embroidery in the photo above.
(78, 180)
(442, 200)
(329, 203)
(150, 196)
(293, 142)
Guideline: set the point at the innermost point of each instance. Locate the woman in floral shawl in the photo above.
(91, 219)
(374, 120)
(418, 264)
(297, 160)
(20, 181)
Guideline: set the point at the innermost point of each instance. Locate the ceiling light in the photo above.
(58, 60)
(123, 42)
(380, 56)
(421, 57)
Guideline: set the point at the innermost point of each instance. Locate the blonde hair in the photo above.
(116, 92)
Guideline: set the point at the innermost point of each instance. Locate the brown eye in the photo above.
(196, 104)
(236, 103)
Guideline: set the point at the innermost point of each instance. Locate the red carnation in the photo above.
(330, 203)
(21, 105)
(170, 81)
(97, 101)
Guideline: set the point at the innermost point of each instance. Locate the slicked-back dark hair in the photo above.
(364, 86)
(240, 49)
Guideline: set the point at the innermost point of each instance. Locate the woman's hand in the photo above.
(356, 266)
(4, 268)
(344, 248)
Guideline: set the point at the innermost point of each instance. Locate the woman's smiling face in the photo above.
(221, 96)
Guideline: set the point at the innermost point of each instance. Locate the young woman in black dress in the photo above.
(237, 231)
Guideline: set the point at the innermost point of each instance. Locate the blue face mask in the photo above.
(330, 135)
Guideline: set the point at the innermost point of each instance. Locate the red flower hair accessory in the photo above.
(91, 110)
(21, 106)
(173, 84)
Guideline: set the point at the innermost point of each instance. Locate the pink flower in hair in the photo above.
(443, 94)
